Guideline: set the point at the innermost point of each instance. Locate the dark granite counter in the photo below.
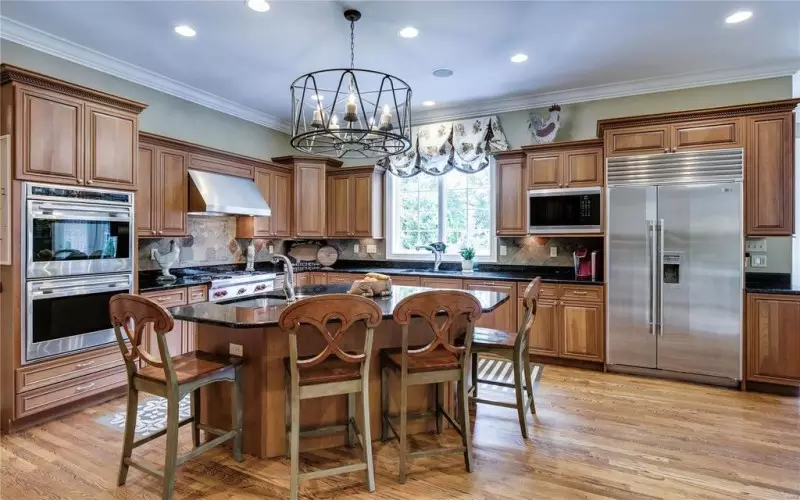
(264, 310)
(151, 285)
(778, 283)
(192, 276)
(522, 274)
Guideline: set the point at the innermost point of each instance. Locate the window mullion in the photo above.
(442, 207)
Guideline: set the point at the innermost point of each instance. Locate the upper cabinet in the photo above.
(68, 134)
(511, 195)
(671, 138)
(355, 202)
(275, 185)
(163, 201)
(564, 164)
(309, 193)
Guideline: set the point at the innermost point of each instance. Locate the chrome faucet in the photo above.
(288, 278)
(437, 249)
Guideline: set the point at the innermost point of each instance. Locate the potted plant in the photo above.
(467, 253)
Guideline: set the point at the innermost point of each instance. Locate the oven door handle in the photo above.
(58, 210)
(90, 216)
(67, 290)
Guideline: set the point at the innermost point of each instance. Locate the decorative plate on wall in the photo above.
(327, 255)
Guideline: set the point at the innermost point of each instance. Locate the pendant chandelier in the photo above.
(351, 113)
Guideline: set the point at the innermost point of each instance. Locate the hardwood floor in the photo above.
(597, 435)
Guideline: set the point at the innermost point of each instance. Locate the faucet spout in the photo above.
(437, 249)
(288, 279)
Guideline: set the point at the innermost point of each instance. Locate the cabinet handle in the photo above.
(90, 181)
(84, 365)
(579, 293)
(666, 150)
(84, 388)
(80, 181)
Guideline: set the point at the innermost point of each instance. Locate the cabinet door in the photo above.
(146, 196)
(339, 211)
(262, 226)
(301, 279)
(405, 280)
(511, 198)
(309, 192)
(189, 336)
(174, 338)
(110, 148)
(281, 204)
(173, 190)
(543, 335)
(441, 283)
(318, 279)
(362, 216)
(544, 170)
(769, 176)
(773, 343)
(707, 134)
(581, 330)
(343, 278)
(583, 168)
(50, 143)
(637, 141)
(505, 316)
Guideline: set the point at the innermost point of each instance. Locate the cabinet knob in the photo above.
(80, 181)
(674, 150)
(153, 232)
(161, 232)
(666, 150)
(90, 181)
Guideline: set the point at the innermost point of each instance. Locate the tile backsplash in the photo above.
(535, 250)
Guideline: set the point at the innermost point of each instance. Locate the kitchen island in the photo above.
(253, 324)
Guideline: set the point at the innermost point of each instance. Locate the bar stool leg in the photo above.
(463, 419)
(287, 397)
(130, 433)
(403, 427)
(366, 435)
(474, 374)
(439, 402)
(384, 404)
(195, 402)
(351, 415)
(529, 382)
(237, 415)
(518, 378)
(171, 461)
(294, 445)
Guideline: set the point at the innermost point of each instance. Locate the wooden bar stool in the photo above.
(318, 376)
(436, 363)
(514, 347)
(171, 378)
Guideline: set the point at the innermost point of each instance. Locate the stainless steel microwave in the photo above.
(565, 211)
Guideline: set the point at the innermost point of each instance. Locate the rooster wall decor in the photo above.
(544, 130)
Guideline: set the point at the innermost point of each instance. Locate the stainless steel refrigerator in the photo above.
(675, 265)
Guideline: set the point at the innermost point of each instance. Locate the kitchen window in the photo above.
(455, 208)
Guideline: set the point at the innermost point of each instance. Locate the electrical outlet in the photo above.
(756, 245)
(553, 252)
(372, 249)
(236, 349)
(271, 249)
(503, 251)
(356, 248)
(758, 261)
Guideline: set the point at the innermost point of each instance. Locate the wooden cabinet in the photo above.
(456, 284)
(355, 202)
(181, 338)
(275, 185)
(544, 170)
(769, 175)
(310, 187)
(511, 217)
(646, 140)
(343, 278)
(405, 280)
(581, 327)
(565, 164)
(301, 279)
(674, 137)
(543, 336)
(505, 316)
(583, 168)
(162, 210)
(317, 278)
(67, 134)
(773, 339)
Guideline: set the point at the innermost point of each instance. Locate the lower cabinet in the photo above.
(405, 280)
(301, 279)
(773, 338)
(581, 327)
(343, 278)
(183, 336)
(317, 278)
(441, 283)
(505, 316)
(543, 336)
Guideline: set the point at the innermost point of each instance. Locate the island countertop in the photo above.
(265, 310)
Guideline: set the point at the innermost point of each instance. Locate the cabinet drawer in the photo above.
(168, 298)
(63, 393)
(582, 292)
(405, 280)
(707, 134)
(347, 278)
(442, 283)
(197, 293)
(546, 291)
(67, 368)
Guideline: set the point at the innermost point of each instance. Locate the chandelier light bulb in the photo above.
(386, 119)
(350, 109)
(316, 121)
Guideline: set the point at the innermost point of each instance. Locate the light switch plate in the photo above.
(553, 252)
(271, 249)
(758, 261)
(356, 248)
(372, 249)
(503, 250)
(756, 245)
(236, 350)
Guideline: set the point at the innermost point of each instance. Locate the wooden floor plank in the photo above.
(595, 436)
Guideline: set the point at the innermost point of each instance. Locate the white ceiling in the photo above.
(587, 48)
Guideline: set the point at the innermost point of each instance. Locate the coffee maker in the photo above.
(586, 263)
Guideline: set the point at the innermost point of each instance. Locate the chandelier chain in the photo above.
(352, 43)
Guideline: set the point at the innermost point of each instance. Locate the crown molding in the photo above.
(609, 91)
(48, 43)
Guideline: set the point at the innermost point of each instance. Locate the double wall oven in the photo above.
(78, 248)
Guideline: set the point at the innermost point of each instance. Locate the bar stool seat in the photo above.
(330, 370)
(490, 337)
(191, 366)
(438, 359)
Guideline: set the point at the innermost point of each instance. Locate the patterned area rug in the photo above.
(153, 411)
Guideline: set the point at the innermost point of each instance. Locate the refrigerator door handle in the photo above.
(651, 241)
(660, 279)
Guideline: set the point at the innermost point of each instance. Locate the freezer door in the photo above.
(631, 271)
(702, 263)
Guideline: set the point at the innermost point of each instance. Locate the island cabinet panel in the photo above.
(111, 145)
(178, 340)
(769, 175)
(773, 338)
(505, 316)
(637, 140)
(456, 284)
(511, 196)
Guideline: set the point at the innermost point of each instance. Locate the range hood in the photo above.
(217, 194)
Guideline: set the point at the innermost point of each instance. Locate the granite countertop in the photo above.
(264, 310)
(778, 283)
(500, 275)
(149, 284)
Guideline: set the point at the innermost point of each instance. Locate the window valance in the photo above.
(466, 145)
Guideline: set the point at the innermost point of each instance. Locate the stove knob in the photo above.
(221, 293)
(241, 291)
(260, 287)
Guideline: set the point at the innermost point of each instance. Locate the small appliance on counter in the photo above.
(586, 264)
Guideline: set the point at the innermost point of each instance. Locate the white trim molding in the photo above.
(462, 110)
(42, 41)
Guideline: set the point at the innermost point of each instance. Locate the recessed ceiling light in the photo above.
(258, 5)
(428, 103)
(738, 17)
(185, 30)
(442, 72)
(409, 32)
(519, 57)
